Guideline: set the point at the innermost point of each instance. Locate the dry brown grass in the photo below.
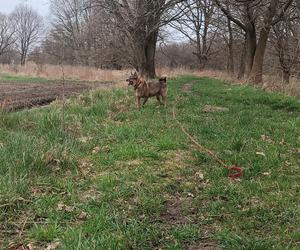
(271, 83)
(174, 72)
(275, 84)
(71, 72)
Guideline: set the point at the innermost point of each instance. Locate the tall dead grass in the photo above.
(271, 83)
(54, 72)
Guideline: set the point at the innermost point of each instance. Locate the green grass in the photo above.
(13, 78)
(22, 78)
(123, 178)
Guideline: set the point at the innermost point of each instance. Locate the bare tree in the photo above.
(243, 15)
(229, 42)
(28, 25)
(231, 34)
(253, 16)
(140, 21)
(88, 31)
(285, 38)
(272, 15)
(119, 33)
(70, 26)
(199, 23)
(7, 32)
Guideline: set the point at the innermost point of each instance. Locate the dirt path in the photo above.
(173, 214)
(15, 96)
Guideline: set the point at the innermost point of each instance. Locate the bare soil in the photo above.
(16, 96)
(212, 109)
(187, 87)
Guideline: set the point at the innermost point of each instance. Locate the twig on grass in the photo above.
(62, 58)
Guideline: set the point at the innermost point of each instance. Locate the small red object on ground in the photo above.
(235, 172)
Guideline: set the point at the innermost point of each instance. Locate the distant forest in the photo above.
(245, 38)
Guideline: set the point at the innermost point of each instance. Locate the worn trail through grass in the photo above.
(123, 178)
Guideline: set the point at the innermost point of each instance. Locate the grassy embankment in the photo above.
(121, 178)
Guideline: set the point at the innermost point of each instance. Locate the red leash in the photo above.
(234, 172)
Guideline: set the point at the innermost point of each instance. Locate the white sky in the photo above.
(42, 6)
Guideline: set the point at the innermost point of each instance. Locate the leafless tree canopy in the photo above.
(28, 24)
(244, 37)
(7, 32)
(199, 23)
(285, 40)
(139, 21)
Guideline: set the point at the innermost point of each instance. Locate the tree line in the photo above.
(244, 37)
(19, 31)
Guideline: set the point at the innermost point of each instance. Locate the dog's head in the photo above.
(163, 80)
(132, 79)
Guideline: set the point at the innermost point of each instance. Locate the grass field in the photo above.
(20, 91)
(14, 78)
(21, 79)
(118, 177)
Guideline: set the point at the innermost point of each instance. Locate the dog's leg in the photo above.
(139, 101)
(145, 100)
(164, 97)
(158, 99)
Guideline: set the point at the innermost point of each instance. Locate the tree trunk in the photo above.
(230, 62)
(202, 61)
(150, 52)
(149, 29)
(198, 53)
(141, 61)
(145, 50)
(286, 74)
(145, 54)
(139, 49)
(204, 44)
(23, 59)
(257, 69)
(242, 62)
(250, 47)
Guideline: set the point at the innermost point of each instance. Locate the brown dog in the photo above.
(145, 89)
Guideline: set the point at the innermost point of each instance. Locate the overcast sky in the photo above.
(42, 6)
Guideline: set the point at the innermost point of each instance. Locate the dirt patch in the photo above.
(173, 214)
(15, 96)
(180, 209)
(206, 242)
(212, 109)
(178, 158)
(206, 245)
(187, 87)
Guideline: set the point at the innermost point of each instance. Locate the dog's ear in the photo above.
(142, 80)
